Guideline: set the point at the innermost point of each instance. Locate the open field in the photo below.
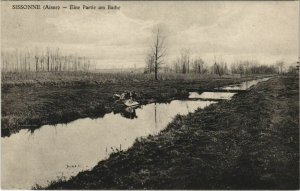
(250, 142)
(70, 78)
(30, 100)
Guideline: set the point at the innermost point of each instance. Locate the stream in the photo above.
(61, 151)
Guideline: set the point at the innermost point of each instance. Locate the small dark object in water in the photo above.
(129, 112)
(127, 98)
(125, 95)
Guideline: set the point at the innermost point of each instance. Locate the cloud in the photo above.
(265, 31)
(103, 28)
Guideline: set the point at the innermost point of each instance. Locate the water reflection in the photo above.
(129, 112)
(244, 85)
(211, 95)
(66, 149)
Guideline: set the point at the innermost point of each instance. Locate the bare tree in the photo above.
(149, 63)
(177, 65)
(185, 60)
(279, 65)
(158, 51)
(198, 65)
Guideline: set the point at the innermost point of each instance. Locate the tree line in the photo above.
(50, 60)
(186, 64)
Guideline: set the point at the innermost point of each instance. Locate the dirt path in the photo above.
(251, 142)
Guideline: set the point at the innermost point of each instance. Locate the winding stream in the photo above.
(63, 150)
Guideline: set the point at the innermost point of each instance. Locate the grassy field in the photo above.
(30, 100)
(69, 78)
(250, 142)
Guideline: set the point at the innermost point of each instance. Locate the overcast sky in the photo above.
(263, 31)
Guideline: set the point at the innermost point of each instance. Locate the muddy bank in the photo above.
(34, 103)
(250, 142)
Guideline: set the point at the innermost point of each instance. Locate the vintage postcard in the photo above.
(149, 95)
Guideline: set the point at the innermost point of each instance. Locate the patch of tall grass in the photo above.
(58, 77)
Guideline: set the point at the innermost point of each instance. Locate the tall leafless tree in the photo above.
(158, 50)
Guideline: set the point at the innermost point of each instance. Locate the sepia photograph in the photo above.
(152, 95)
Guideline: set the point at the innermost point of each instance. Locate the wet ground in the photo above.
(63, 150)
(59, 98)
(249, 142)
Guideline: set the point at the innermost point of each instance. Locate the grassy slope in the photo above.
(251, 142)
(31, 100)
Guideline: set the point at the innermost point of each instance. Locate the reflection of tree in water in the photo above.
(129, 112)
(155, 121)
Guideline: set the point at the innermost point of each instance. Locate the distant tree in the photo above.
(185, 60)
(252, 67)
(176, 65)
(149, 63)
(216, 69)
(158, 50)
(198, 66)
(279, 65)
